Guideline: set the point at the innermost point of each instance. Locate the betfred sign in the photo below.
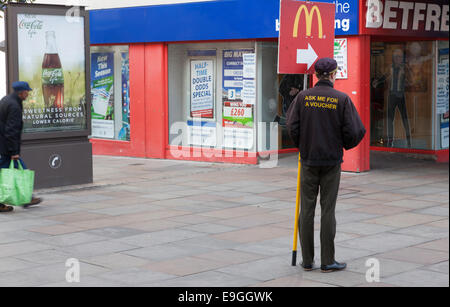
(306, 34)
(400, 18)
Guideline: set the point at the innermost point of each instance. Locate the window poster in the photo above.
(202, 88)
(202, 133)
(442, 91)
(239, 98)
(102, 91)
(340, 55)
(124, 133)
(442, 103)
(51, 56)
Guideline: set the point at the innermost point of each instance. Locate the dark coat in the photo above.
(322, 122)
(11, 125)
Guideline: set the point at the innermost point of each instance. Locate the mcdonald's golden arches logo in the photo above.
(309, 20)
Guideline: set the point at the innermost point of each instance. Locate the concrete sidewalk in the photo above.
(171, 223)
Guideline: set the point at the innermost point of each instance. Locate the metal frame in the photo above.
(12, 65)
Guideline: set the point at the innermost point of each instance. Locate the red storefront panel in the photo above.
(136, 146)
(357, 87)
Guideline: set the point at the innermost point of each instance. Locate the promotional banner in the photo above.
(202, 88)
(340, 55)
(51, 56)
(237, 115)
(102, 92)
(124, 133)
(239, 98)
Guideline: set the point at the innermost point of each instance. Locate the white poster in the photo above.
(103, 128)
(238, 138)
(340, 55)
(202, 133)
(249, 60)
(444, 136)
(202, 90)
(249, 91)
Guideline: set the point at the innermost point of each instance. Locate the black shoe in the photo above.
(5, 208)
(336, 266)
(35, 201)
(308, 267)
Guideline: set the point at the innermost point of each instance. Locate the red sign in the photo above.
(306, 35)
(425, 18)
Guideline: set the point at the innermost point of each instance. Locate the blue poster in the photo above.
(102, 92)
(233, 74)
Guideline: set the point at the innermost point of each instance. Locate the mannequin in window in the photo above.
(396, 78)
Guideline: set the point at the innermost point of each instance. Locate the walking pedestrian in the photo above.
(11, 126)
(322, 122)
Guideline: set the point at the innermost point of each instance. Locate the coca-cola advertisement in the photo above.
(52, 60)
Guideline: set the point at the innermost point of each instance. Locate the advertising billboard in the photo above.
(47, 48)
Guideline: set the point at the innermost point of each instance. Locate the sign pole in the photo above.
(297, 211)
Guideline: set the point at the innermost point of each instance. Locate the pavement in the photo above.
(189, 224)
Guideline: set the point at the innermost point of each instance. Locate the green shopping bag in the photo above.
(16, 185)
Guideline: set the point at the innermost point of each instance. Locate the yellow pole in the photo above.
(297, 211)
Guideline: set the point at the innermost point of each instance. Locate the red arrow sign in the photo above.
(306, 34)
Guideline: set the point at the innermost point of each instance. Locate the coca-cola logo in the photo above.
(31, 25)
(52, 76)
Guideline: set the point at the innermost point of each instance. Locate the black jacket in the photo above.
(322, 122)
(11, 125)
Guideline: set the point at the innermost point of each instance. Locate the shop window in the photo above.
(276, 93)
(110, 92)
(212, 95)
(402, 94)
(442, 94)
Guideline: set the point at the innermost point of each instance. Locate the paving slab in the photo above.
(206, 279)
(417, 255)
(258, 270)
(419, 278)
(180, 223)
(382, 242)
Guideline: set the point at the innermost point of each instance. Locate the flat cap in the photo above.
(326, 66)
(20, 86)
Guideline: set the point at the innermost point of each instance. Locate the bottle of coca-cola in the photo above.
(52, 74)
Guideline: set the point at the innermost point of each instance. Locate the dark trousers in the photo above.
(400, 103)
(327, 180)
